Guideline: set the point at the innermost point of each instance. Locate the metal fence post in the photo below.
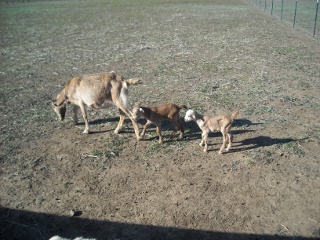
(281, 9)
(315, 20)
(287, 8)
(295, 13)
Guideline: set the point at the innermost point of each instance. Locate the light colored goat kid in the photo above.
(155, 115)
(210, 123)
(97, 91)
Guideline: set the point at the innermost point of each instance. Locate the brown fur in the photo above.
(96, 91)
(209, 124)
(155, 115)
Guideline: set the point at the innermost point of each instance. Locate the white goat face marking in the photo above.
(188, 116)
(141, 110)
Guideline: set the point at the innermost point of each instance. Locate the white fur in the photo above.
(77, 238)
(124, 94)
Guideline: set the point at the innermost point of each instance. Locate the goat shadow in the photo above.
(126, 128)
(166, 125)
(260, 141)
(253, 143)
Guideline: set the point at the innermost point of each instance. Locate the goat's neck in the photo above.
(147, 112)
(62, 98)
(199, 119)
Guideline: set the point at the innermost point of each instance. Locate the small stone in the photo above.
(72, 213)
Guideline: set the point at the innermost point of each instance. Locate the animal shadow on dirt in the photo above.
(260, 141)
(21, 224)
(127, 125)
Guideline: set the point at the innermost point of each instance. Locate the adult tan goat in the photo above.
(97, 91)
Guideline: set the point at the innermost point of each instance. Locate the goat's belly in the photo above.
(105, 104)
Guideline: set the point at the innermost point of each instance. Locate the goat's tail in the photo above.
(124, 96)
(234, 115)
(182, 106)
(133, 81)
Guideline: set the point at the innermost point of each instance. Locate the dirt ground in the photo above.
(214, 56)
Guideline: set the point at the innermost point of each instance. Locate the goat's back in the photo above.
(168, 110)
(94, 88)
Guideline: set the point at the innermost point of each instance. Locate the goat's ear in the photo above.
(66, 99)
(141, 110)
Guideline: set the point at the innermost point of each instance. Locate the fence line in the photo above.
(302, 13)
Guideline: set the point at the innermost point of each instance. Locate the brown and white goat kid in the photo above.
(97, 91)
(155, 115)
(210, 123)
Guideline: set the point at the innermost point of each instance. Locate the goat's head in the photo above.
(137, 112)
(60, 105)
(190, 115)
(60, 110)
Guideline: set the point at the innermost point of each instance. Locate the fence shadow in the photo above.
(20, 224)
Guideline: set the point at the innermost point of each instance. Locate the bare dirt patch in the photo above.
(213, 56)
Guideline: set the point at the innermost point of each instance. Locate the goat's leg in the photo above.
(181, 128)
(121, 120)
(175, 127)
(159, 133)
(204, 141)
(129, 114)
(145, 128)
(178, 125)
(224, 140)
(84, 115)
(230, 137)
(75, 114)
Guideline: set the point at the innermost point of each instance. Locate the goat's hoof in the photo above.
(86, 131)
(205, 150)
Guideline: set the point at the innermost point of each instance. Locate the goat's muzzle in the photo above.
(60, 110)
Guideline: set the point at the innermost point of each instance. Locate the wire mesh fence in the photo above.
(299, 13)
